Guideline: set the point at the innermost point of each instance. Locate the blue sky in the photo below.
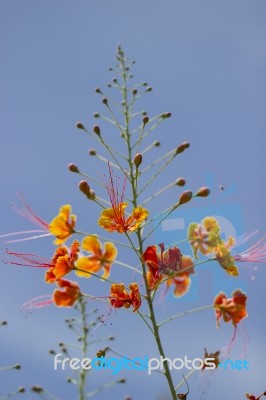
(206, 63)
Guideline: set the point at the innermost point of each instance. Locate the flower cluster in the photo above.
(155, 265)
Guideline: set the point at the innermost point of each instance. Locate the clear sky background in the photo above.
(206, 61)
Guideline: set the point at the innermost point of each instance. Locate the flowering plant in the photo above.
(124, 214)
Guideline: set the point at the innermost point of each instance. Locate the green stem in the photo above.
(139, 251)
(182, 314)
(83, 372)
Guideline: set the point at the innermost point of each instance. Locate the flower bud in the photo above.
(79, 125)
(21, 389)
(17, 366)
(105, 101)
(145, 120)
(121, 380)
(138, 159)
(180, 182)
(149, 89)
(73, 168)
(96, 129)
(96, 115)
(134, 92)
(182, 147)
(185, 197)
(182, 396)
(4, 323)
(157, 143)
(166, 115)
(84, 188)
(37, 389)
(98, 90)
(92, 152)
(203, 192)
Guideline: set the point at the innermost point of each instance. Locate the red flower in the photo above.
(61, 263)
(161, 264)
(231, 309)
(119, 297)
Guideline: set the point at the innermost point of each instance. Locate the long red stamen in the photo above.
(116, 200)
(256, 253)
(31, 260)
(27, 212)
(38, 302)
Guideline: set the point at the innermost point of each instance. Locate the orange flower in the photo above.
(232, 309)
(100, 258)
(134, 296)
(68, 296)
(62, 262)
(204, 237)
(181, 280)
(161, 264)
(62, 226)
(120, 298)
(114, 219)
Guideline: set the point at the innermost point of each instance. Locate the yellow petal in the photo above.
(87, 266)
(211, 224)
(91, 244)
(110, 251)
(140, 213)
(62, 226)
